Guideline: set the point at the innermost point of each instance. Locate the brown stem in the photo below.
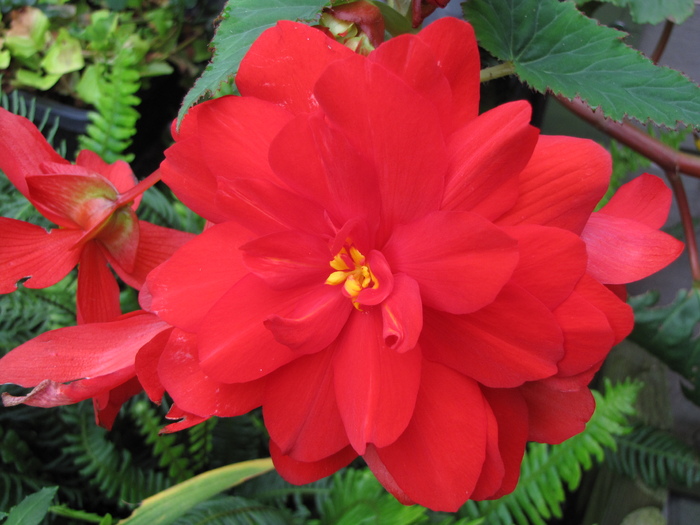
(676, 182)
(665, 156)
(663, 40)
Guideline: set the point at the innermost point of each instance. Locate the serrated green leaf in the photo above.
(32, 509)
(554, 47)
(165, 507)
(242, 22)
(668, 333)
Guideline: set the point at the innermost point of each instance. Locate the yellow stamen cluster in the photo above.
(353, 272)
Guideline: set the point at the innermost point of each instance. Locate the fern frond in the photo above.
(104, 465)
(548, 470)
(655, 455)
(113, 123)
(170, 453)
(201, 443)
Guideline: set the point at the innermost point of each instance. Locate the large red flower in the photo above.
(93, 203)
(390, 274)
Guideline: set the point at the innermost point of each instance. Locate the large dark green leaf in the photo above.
(668, 332)
(242, 21)
(554, 47)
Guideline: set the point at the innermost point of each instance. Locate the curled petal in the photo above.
(108, 403)
(402, 315)
(375, 386)
(302, 416)
(120, 236)
(118, 173)
(146, 366)
(460, 260)
(314, 323)
(382, 274)
(186, 420)
(623, 250)
(30, 251)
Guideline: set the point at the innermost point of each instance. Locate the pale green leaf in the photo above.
(554, 47)
(32, 509)
(242, 22)
(165, 507)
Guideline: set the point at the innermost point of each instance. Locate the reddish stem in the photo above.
(665, 156)
(137, 190)
(663, 40)
(687, 220)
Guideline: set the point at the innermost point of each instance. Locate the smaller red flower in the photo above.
(93, 203)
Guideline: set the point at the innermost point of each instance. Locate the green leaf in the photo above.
(655, 11)
(32, 509)
(242, 22)
(555, 47)
(668, 332)
(165, 507)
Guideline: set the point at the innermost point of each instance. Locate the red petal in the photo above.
(486, 157)
(244, 128)
(156, 244)
(288, 259)
(510, 410)
(196, 393)
(234, 343)
(618, 312)
(72, 201)
(460, 260)
(380, 115)
(77, 352)
(551, 261)
(301, 472)
(512, 340)
(300, 409)
(289, 82)
(31, 251)
(22, 149)
(645, 199)
(318, 161)
(264, 207)
(315, 321)
(108, 404)
(146, 366)
(454, 44)
(561, 185)
(183, 289)
(623, 250)
(438, 459)
(376, 387)
(587, 335)
(402, 315)
(555, 416)
(98, 291)
(186, 420)
(120, 237)
(412, 60)
(493, 469)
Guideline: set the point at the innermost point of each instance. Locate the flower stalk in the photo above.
(499, 70)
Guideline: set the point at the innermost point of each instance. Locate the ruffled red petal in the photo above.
(303, 472)
(98, 291)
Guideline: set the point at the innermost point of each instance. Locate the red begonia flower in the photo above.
(390, 274)
(93, 203)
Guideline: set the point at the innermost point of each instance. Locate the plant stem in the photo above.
(676, 182)
(665, 156)
(663, 40)
(497, 71)
(137, 190)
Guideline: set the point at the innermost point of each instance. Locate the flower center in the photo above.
(353, 272)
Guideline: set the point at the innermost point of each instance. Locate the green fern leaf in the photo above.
(232, 510)
(655, 455)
